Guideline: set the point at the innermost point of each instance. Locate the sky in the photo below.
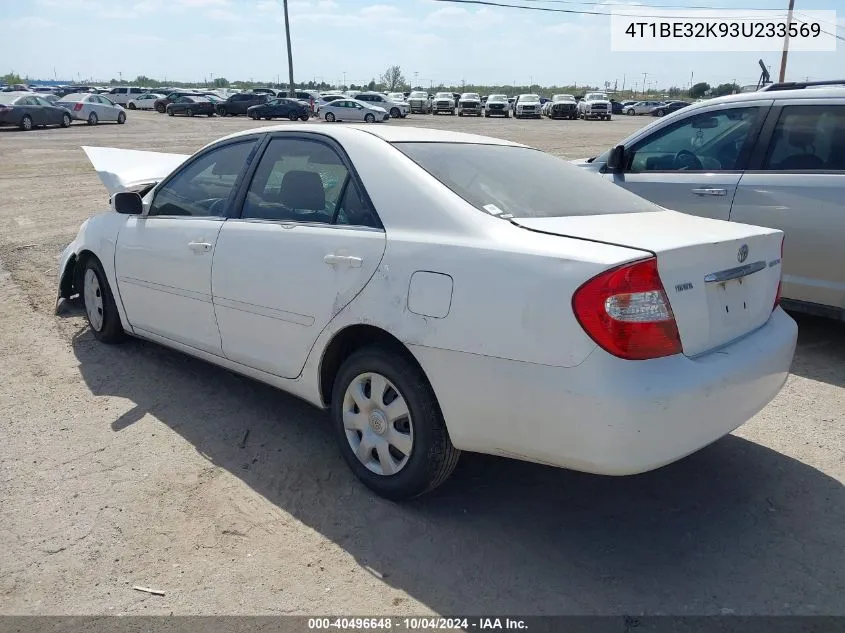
(432, 41)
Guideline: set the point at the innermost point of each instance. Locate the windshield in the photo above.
(596, 96)
(419, 95)
(444, 95)
(529, 97)
(470, 95)
(563, 98)
(397, 96)
(509, 181)
(497, 98)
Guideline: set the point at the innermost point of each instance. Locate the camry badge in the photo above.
(742, 253)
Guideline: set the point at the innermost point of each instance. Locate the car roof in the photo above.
(777, 95)
(76, 95)
(387, 133)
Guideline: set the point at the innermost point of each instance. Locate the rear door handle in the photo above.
(199, 247)
(708, 191)
(343, 260)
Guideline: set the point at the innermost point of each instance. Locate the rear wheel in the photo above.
(189, 112)
(121, 118)
(222, 112)
(92, 119)
(630, 113)
(26, 123)
(388, 424)
(100, 308)
(661, 112)
(254, 116)
(370, 118)
(330, 117)
(304, 117)
(161, 108)
(66, 120)
(293, 116)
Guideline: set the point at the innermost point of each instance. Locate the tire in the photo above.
(402, 116)
(630, 113)
(26, 123)
(370, 118)
(460, 113)
(254, 116)
(121, 118)
(422, 456)
(92, 119)
(170, 112)
(661, 112)
(330, 117)
(394, 113)
(189, 112)
(131, 106)
(222, 112)
(608, 117)
(161, 109)
(304, 118)
(293, 116)
(66, 120)
(210, 114)
(100, 308)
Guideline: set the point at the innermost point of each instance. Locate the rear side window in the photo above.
(808, 138)
(508, 181)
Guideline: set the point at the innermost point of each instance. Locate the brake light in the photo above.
(77, 107)
(626, 311)
(780, 280)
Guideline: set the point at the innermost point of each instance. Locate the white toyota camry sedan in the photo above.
(440, 292)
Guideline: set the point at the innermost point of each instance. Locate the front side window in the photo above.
(710, 141)
(297, 180)
(203, 187)
(509, 181)
(807, 138)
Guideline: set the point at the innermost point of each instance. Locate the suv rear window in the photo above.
(808, 138)
(509, 181)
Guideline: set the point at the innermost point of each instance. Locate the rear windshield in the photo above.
(519, 182)
(8, 97)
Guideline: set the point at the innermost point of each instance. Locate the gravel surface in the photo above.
(126, 465)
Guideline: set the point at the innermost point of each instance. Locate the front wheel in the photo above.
(100, 308)
(65, 120)
(131, 106)
(26, 123)
(370, 118)
(661, 113)
(293, 116)
(254, 116)
(630, 113)
(394, 113)
(304, 118)
(121, 118)
(189, 112)
(92, 119)
(330, 117)
(161, 109)
(388, 425)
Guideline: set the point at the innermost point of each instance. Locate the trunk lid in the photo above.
(721, 278)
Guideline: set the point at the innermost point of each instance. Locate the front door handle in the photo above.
(199, 247)
(343, 260)
(709, 191)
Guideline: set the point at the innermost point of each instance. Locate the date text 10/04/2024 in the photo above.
(417, 624)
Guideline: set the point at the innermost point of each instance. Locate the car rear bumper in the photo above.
(607, 415)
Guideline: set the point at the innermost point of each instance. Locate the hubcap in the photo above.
(27, 123)
(378, 424)
(93, 300)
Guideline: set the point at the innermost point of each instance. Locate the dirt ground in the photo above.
(134, 465)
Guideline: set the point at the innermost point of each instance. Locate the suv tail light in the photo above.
(77, 107)
(626, 311)
(780, 281)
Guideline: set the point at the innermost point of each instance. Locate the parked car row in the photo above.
(654, 108)
(28, 110)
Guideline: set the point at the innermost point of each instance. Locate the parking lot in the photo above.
(135, 465)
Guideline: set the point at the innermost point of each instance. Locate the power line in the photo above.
(652, 6)
(503, 5)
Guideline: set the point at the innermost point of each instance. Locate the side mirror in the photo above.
(616, 160)
(128, 203)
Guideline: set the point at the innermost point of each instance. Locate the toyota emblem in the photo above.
(742, 253)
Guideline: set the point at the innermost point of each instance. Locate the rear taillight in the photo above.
(626, 311)
(780, 280)
(77, 107)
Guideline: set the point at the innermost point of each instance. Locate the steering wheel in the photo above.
(685, 160)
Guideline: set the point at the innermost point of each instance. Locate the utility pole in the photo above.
(291, 87)
(644, 78)
(786, 42)
(623, 82)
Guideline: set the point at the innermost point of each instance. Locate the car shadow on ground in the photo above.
(821, 349)
(736, 527)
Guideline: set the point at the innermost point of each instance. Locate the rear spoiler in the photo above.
(122, 169)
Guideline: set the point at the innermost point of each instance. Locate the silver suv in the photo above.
(396, 109)
(773, 158)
